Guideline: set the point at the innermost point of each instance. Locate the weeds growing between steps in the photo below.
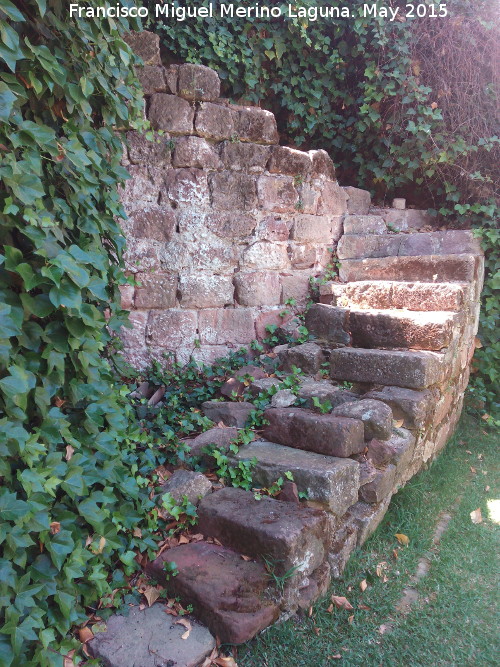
(454, 620)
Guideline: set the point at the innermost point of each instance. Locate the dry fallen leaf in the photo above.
(55, 527)
(363, 606)
(486, 488)
(226, 661)
(342, 602)
(183, 540)
(395, 554)
(151, 593)
(476, 516)
(137, 532)
(402, 539)
(383, 629)
(68, 659)
(186, 624)
(380, 568)
(398, 423)
(317, 631)
(102, 544)
(473, 470)
(85, 634)
(351, 619)
(246, 558)
(69, 452)
(310, 612)
(330, 609)
(363, 585)
(335, 657)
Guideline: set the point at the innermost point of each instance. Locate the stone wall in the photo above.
(224, 224)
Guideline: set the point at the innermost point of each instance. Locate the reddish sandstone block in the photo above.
(215, 122)
(218, 327)
(433, 268)
(258, 288)
(296, 286)
(171, 113)
(359, 201)
(187, 187)
(233, 191)
(156, 290)
(152, 79)
(274, 228)
(333, 200)
(153, 222)
(197, 82)
(257, 126)
(264, 255)
(381, 487)
(195, 152)
(277, 193)
(145, 152)
(239, 156)
(315, 228)
(146, 45)
(205, 291)
(289, 161)
(172, 328)
(322, 165)
(229, 225)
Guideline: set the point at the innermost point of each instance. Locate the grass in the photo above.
(455, 620)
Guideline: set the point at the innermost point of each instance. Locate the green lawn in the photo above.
(455, 620)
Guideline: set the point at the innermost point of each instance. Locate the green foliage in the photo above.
(72, 467)
(184, 512)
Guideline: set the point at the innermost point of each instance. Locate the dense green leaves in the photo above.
(70, 495)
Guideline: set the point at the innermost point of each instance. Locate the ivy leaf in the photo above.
(11, 10)
(7, 99)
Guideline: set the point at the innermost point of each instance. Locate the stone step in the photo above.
(452, 242)
(413, 369)
(150, 637)
(287, 535)
(228, 594)
(327, 481)
(378, 328)
(304, 429)
(388, 294)
(424, 268)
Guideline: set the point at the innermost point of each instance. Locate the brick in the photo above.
(197, 82)
(322, 165)
(375, 415)
(432, 268)
(411, 369)
(146, 45)
(215, 122)
(205, 291)
(152, 222)
(171, 113)
(219, 327)
(364, 224)
(381, 487)
(332, 200)
(206, 585)
(411, 296)
(328, 323)
(264, 255)
(187, 187)
(331, 482)
(195, 152)
(323, 434)
(289, 161)
(257, 126)
(319, 228)
(411, 406)
(258, 288)
(233, 191)
(143, 151)
(277, 193)
(308, 357)
(239, 156)
(291, 536)
(358, 201)
(152, 79)
(172, 328)
(233, 413)
(156, 290)
(229, 225)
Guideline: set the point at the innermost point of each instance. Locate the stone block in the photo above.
(233, 191)
(142, 151)
(229, 413)
(307, 430)
(134, 338)
(403, 443)
(283, 398)
(375, 415)
(142, 188)
(171, 113)
(332, 200)
(289, 161)
(309, 198)
(258, 288)
(431, 269)
(187, 187)
(186, 483)
(218, 437)
(308, 357)
(146, 45)
(379, 453)
(195, 152)
(366, 518)
(152, 79)
(413, 407)
(156, 290)
(411, 369)
(277, 193)
(206, 585)
(315, 228)
(228, 325)
(141, 255)
(126, 296)
(205, 291)
(241, 380)
(410, 296)
(290, 536)
(364, 224)
(296, 286)
(381, 487)
(149, 637)
(322, 165)
(274, 228)
(329, 323)
(228, 225)
(257, 126)
(359, 201)
(264, 255)
(239, 156)
(172, 77)
(172, 328)
(331, 482)
(197, 82)
(325, 391)
(339, 556)
(152, 222)
(308, 255)
(215, 122)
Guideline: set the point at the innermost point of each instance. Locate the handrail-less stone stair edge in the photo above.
(224, 226)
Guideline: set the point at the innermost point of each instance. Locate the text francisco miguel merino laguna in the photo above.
(233, 10)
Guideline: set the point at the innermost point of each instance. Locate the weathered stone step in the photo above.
(228, 594)
(328, 481)
(287, 535)
(310, 431)
(385, 294)
(150, 637)
(413, 369)
(425, 268)
(452, 242)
